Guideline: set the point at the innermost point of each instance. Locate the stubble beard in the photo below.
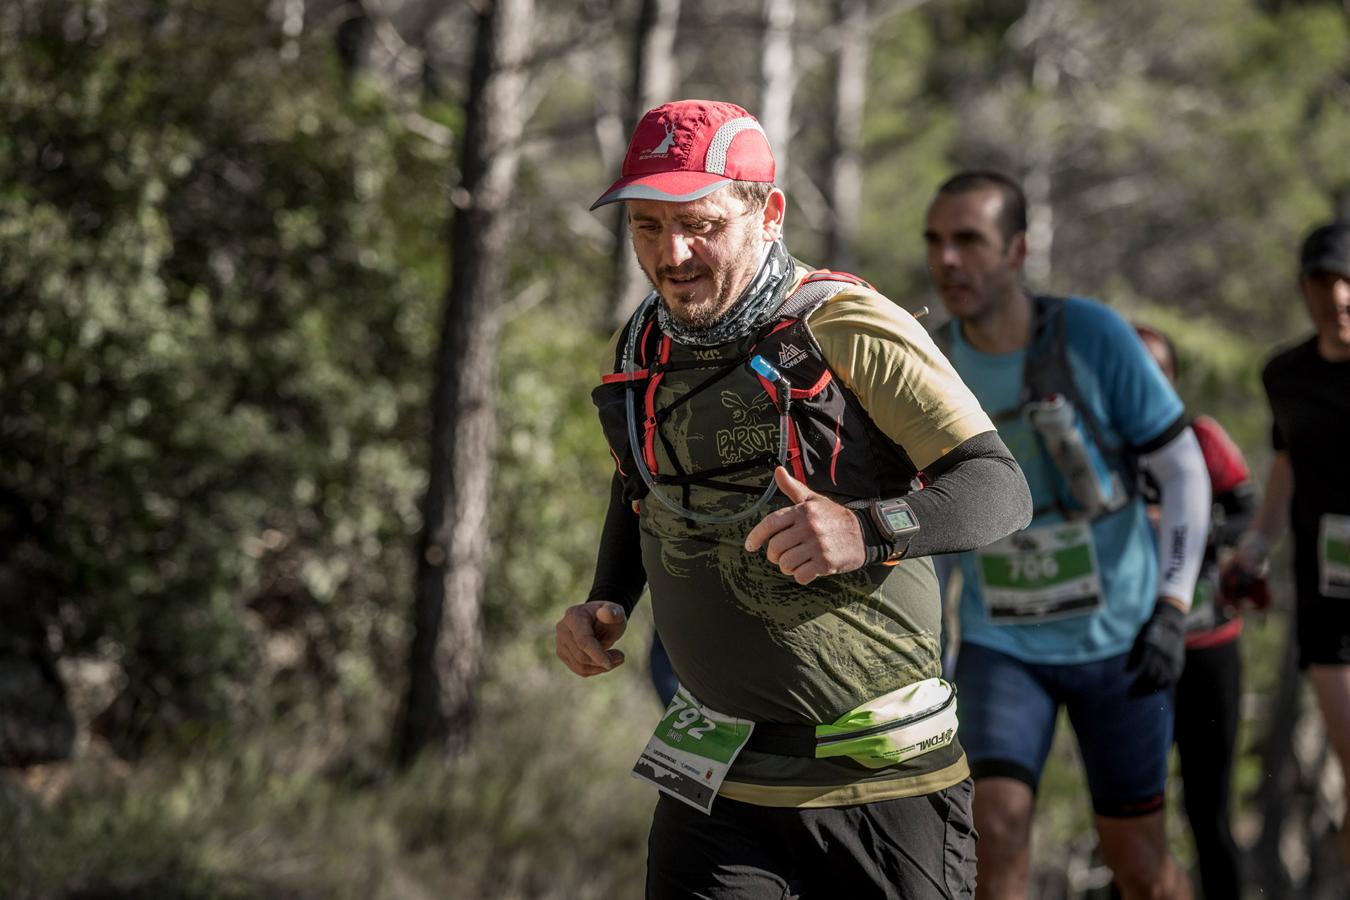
(699, 315)
(727, 287)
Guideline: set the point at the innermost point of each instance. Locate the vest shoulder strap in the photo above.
(639, 319)
(1047, 369)
(816, 288)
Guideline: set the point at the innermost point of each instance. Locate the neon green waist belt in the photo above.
(908, 722)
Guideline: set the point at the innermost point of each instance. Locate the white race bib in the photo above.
(692, 750)
(1040, 574)
(1333, 555)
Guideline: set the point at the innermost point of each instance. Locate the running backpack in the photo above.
(823, 435)
(1048, 400)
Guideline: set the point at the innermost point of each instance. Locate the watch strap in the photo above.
(876, 548)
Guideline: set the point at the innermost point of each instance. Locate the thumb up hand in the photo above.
(813, 537)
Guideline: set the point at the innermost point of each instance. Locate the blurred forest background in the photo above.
(300, 308)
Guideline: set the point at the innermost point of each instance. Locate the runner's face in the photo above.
(972, 266)
(1327, 295)
(701, 255)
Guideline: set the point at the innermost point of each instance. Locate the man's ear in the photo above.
(775, 209)
(1017, 250)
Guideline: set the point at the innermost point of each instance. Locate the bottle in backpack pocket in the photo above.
(1095, 490)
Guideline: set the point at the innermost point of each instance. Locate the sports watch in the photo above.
(896, 523)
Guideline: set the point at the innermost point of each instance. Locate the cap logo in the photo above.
(716, 163)
(663, 148)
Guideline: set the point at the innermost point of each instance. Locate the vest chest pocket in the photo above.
(610, 399)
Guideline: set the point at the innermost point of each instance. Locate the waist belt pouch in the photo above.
(611, 402)
(904, 724)
(909, 722)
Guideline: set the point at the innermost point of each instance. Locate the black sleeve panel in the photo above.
(619, 575)
(1167, 435)
(977, 494)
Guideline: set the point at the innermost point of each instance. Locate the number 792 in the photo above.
(682, 718)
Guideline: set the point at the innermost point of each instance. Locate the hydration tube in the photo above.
(761, 366)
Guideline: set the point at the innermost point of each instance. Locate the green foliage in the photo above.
(905, 139)
(540, 808)
(552, 487)
(209, 347)
(221, 264)
(1182, 145)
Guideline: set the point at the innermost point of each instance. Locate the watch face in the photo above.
(898, 518)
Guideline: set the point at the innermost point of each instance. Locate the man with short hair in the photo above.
(1308, 485)
(1075, 611)
(772, 426)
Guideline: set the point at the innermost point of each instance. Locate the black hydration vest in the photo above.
(832, 444)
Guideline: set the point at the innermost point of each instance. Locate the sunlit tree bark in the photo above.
(445, 660)
(777, 80)
(845, 182)
(654, 82)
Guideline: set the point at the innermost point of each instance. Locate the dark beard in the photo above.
(699, 317)
(732, 319)
(708, 314)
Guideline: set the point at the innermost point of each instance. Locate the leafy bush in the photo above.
(213, 323)
(541, 807)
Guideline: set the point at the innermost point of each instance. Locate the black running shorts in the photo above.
(914, 848)
(1323, 629)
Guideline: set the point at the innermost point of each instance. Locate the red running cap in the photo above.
(687, 149)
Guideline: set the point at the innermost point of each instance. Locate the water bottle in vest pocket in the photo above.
(1094, 487)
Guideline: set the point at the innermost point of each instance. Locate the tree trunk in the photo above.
(845, 183)
(654, 82)
(1038, 184)
(36, 725)
(452, 548)
(1040, 32)
(778, 81)
(353, 36)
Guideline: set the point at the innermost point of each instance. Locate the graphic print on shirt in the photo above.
(749, 434)
(824, 619)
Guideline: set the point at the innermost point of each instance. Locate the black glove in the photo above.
(1159, 651)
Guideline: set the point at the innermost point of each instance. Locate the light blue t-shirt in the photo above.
(1133, 404)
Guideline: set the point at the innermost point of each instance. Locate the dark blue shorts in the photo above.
(1008, 710)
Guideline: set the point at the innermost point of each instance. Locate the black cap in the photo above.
(1327, 249)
